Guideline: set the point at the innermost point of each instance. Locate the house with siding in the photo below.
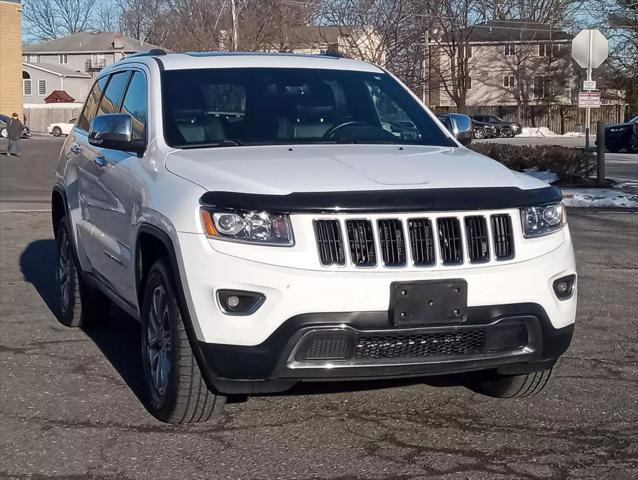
(87, 52)
(39, 81)
(502, 63)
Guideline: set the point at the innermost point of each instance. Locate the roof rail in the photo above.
(149, 53)
(334, 54)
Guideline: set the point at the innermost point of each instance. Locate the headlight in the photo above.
(539, 221)
(248, 226)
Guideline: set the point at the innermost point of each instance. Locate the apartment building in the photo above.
(502, 63)
(10, 57)
(87, 52)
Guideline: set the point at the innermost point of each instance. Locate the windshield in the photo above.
(267, 106)
(634, 120)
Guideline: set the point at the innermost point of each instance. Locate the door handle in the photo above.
(75, 148)
(100, 160)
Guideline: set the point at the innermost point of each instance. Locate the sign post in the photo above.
(589, 50)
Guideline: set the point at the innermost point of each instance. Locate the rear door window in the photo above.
(90, 107)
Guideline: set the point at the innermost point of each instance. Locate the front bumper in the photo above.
(364, 345)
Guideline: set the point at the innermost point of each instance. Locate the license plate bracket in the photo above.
(428, 302)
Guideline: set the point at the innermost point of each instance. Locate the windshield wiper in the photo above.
(223, 143)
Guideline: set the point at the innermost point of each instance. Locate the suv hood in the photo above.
(280, 170)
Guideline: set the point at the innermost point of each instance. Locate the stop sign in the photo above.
(589, 48)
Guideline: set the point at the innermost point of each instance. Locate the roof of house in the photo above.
(58, 70)
(90, 42)
(515, 31)
(59, 96)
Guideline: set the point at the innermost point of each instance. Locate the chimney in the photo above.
(118, 43)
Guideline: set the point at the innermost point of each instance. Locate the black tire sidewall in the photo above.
(56, 132)
(161, 406)
(507, 132)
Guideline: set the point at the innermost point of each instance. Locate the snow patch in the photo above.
(539, 132)
(544, 175)
(598, 197)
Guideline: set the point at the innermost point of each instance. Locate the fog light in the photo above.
(564, 287)
(239, 302)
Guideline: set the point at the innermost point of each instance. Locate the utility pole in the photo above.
(588, 109)
(235, 26)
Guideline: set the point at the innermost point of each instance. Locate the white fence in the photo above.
(40, 115)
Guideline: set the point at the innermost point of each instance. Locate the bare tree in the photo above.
(49, 19)
(391, 33)
(451, 51)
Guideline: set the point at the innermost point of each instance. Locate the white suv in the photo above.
(275, 219)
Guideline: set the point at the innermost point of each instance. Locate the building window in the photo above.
(33, 58)
(468, 51)
(542, 87)
(509, 81)
(63, 59)
(510, 50)
(26, 84)
(42, 87)
(465, 82)
(548, 50)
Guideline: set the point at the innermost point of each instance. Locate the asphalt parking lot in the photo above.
(70, 399)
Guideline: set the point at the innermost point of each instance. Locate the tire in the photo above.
(507, 132)
(512, 386)
(479, 133)
(613, 148)
(56, 132)
(79, 304)
(176, 390)
(3, 133)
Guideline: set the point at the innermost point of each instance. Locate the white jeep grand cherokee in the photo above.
(275, 219)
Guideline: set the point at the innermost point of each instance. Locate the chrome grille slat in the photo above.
(361, 242)
(477, 239)
(329, 242)
(392, 242)
(421, 241)
(450, 240)
(503, 237)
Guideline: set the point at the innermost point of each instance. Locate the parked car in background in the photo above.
(505, 129)
(4, 122)
(622, 136)
(62, 128)
(484, 130)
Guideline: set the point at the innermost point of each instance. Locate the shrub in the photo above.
(572, 165)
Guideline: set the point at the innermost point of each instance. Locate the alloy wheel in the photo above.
(64, 272)
(159, 341)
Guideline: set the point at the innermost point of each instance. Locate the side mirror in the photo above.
(115, 131)
(460, 126)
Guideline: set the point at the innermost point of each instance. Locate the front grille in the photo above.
(450, 239)
(419, 242)
(361, 242)
(329, 242)
(503, 237)
(466, 342)
(392, 243)
(476, 232)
